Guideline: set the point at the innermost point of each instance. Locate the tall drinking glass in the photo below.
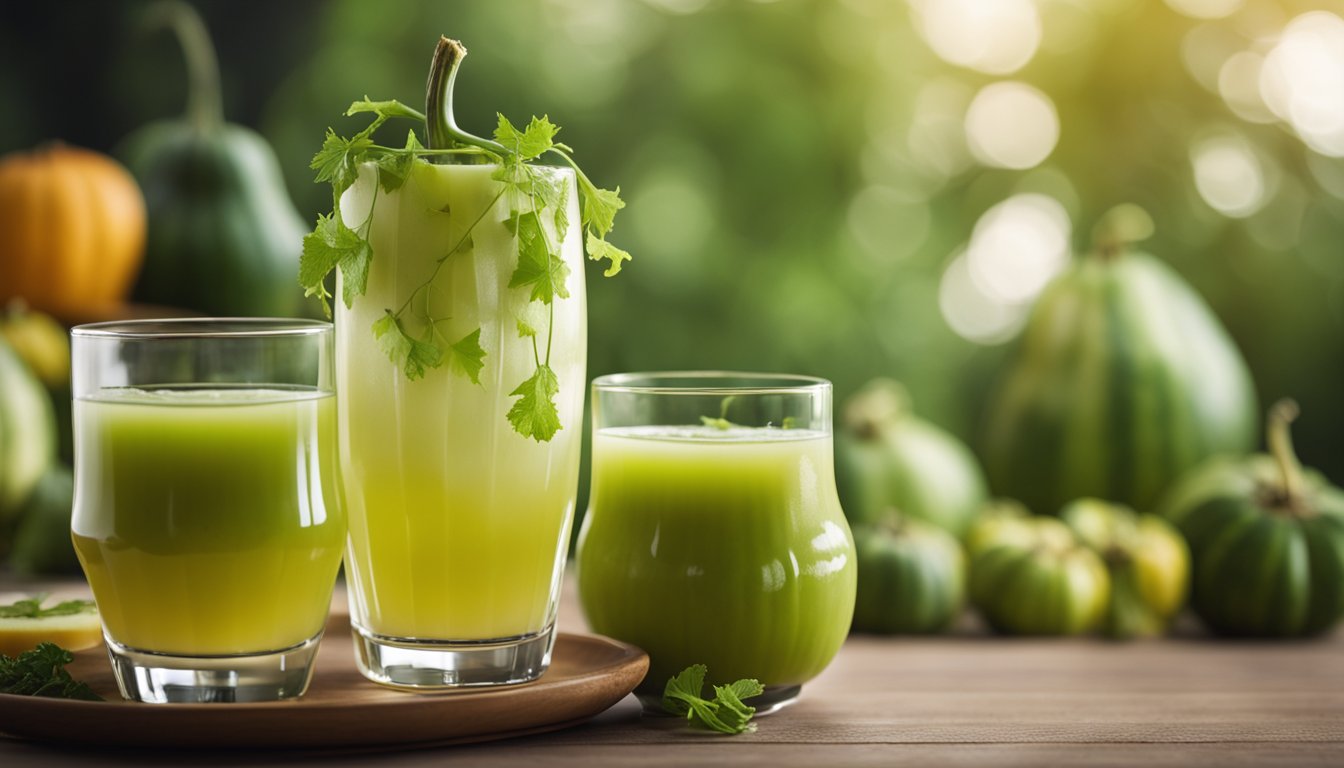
(714, 534)
(206, 511)
(459, 524)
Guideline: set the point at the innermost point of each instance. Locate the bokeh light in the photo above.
(971, 312)
(889, 224)
(1228, 175)
(1018, 245)
(1015, 249)
(996, 37)
(936, 141)
(1302, 80)
(1206, 9)
(891, 181)
(1011, 125)
(1239, 85)
(1205, 48)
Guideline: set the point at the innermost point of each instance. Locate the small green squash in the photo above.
(44, 346)
(1047, 583)
(912, 578)
(41, 342)
(1266, 541)
(1121, 381)
(1147, 560)
(42, 544)
(1000, 521)
(888, 459)
(27, 432)
(224, 237)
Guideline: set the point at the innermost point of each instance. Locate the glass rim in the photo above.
(203, 328)
(756, 383)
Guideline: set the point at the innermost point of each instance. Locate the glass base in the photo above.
(427, 665)
(160, 678)
(775, 698)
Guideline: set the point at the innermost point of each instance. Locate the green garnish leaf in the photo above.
(560, 208)
(331, 245)
(729, 697)
(684, 688)
(725, 713)
(393, 169)
(529, 191)
(537, 267)
(722, 421)
(599, 249)
(466, 356)
(31, 608)
(384, 109)
(410, 354)
(535, 414)
(530, 143)
(338, 159)
(550, 190)
(41, 672)
(599, 207)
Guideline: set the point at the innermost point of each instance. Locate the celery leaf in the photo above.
(534, 414)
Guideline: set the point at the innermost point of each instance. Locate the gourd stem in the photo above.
(1280, 442)
(205, 107)
(440, 127)
(894, 522)
(881, 402)
(1120, 227)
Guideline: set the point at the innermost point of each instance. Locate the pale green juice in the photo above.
(723, 548)
(458, 525)
(207, 520)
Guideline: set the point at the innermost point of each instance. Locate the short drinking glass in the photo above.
(206, 512)
(714, 535)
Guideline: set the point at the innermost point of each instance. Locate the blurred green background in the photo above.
(846, 188)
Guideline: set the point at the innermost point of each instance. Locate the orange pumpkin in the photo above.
(72, 229)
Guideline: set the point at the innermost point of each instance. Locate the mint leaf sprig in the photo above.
(31, 608)
(41, 671)
(531, 192)
(725, 713)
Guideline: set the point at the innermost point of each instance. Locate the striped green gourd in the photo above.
(1121, 381)
(912, 578)
(27, 432)
(1266, 541)
(1146, 558)
(1031, 576)
(889, 462)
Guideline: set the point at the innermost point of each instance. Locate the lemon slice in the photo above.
(71, 631)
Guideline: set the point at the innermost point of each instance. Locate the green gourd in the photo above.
(1147, 560)
(911, 578)
(27, 434)
(224, 237)
(42, 542)
(887, 459)
(999, 521)
(1038, 579)
(1266, 541)
(1122, 381)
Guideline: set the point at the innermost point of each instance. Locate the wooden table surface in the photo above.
(966, 700)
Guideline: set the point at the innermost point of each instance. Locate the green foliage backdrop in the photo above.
(798, 175)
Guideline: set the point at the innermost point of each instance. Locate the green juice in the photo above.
(719, 547)
(458, 525)
(207, 520)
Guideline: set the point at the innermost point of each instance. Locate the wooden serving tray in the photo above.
(341, 710)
